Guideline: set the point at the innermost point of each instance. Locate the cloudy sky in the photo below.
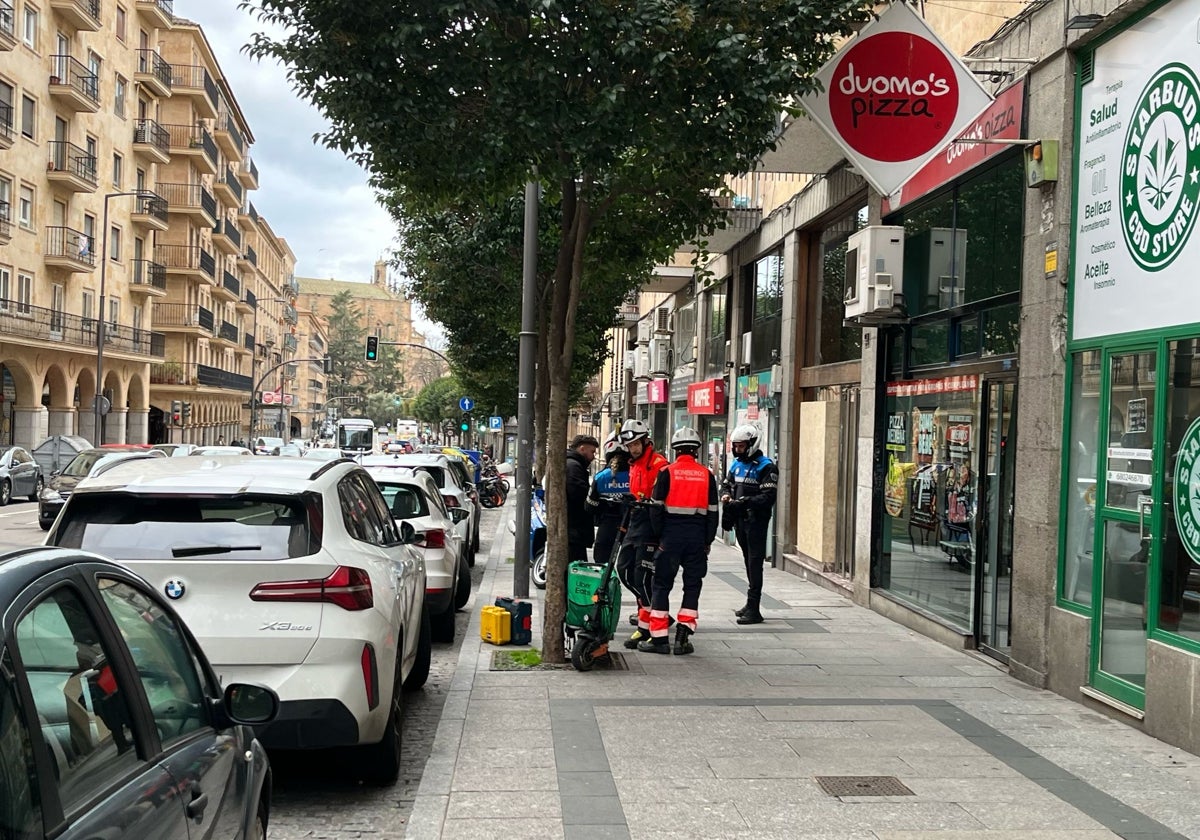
(312, 196)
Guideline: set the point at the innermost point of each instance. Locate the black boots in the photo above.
(654, 647)
(749, 614)
(683, 644)
(741, 611)
(639, 636)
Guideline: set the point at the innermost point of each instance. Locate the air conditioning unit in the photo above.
(874, 258)
(660, 356)
(946, 267)
(645, 329)
(747, 347)
(630, 359)
(664, 320)
(641, 365)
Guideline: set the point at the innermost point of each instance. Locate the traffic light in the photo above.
(187, 412)
(372, 348)
(465, 425)
(327, 363)
(176, 412)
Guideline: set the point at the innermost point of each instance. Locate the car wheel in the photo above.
(5, 492)
(45, 526)
(382, 764)
(442, 625)
(260, 821)
(37, 489)
(470, 558)
(462, 592)
(420, 669)
(475, 539)
(538, 570)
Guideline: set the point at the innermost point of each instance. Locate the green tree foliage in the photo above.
(628, 112)
(384, 374)
(346, 346)
(382, 407)
(438, 401)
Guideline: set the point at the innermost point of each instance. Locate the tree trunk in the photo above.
(541, 398)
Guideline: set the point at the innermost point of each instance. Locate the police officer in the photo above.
(685, 521)
(748, 494)
(635, 563)
(605, 497)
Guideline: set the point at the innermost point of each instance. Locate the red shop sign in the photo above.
(922, 387)
(706, 397)
(1001, 121)
(656, 391)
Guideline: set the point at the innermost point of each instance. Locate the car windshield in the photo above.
(82, 463)
(357, 439)
(242, 527)
(404, 500)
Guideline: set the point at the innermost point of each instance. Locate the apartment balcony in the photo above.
(248, 258)
(153, 73)
(70, 249)
(249, 213)
(290, 316)
(248, 342)
(5, 223)
(186, 318)
(150, 211)
(83, 15)
(194, 81)
(190, 200)
(151, 141)
(189, 261)
(248, 302)
(229, 289)
(52, 327)
(247, 173)
(229, 138)
(8, 32)
(228, 332)
(148, 278)
(73, 86)
(159, 13)
(194, 142)
(7, 127)
(291, 287)
(194, 375)
(228, 189)
(71, 167)
(227, 237)
(290, 343)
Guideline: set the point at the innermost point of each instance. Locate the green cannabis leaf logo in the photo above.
(1162, 171)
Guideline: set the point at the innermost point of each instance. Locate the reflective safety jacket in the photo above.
(608, 491)
(642, 474)
(686, 493)
(752, 483)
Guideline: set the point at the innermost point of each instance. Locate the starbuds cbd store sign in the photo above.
(1137, 184)
(893, 97)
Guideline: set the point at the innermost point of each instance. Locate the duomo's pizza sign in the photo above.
(894, 97)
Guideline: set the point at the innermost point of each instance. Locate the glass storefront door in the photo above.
(996, 522)
(1125, 516)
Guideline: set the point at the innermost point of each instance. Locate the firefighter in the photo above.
(635, 563)
(684, 519)
(748, 494)
(606, 495)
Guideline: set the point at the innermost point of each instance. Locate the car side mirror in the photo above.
(56, 474)
(408, 534)
(250, 705)
(458, 515)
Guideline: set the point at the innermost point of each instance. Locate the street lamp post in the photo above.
(254, 363)
(99, 407)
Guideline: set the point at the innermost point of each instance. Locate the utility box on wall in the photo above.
(874, 262)
(935, 270)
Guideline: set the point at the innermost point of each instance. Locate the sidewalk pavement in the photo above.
(729, 742)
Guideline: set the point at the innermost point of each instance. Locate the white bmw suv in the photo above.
(290, 573)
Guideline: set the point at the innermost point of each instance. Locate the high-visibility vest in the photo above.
(689, 490)
(644, 472)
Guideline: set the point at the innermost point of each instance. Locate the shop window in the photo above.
(717, 332)
(766, 285)
(1001, 330)
(929, 344)
(967, 337)
(1179, 577)
(928, 553)
(836, 342)
(1075, 578)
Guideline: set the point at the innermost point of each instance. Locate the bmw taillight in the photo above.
(346, 587)
(433, 538)
(451, 501)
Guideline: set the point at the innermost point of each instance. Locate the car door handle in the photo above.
(195, 808)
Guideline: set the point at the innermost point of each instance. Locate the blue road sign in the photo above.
(496, 424)
(466, 403)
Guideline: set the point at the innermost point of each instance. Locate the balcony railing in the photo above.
(152, 134)
(5, 220)
(316, 385)
(289, 315)
(183, 315)
(228, 332)
(189, 196)
(228, 229)
(7, 28)
(250, 170)
(185, 257)
(251, 256)
(51, 325)
(226, 123)
(149, 273)
(232, 183)
(85, 14)
(176, 373)
(230, 282)
(153, 64)
(251, 212)
(167, 7)
(71, 244)
(193, 137)
(151, 204)
(291, 286)
(6, 122)
(248, 341)
(195, 78)
(251, 299)
(67, 157)
(65, 70)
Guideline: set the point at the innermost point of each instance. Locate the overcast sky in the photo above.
(312, 196)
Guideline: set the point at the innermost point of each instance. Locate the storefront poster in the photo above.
(897, 435)
(1137, 190)
(656, 391)
(706, 397)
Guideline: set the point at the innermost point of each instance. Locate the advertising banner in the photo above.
(706, 397)
(893, 97)
(1137, 188)
(656, 391)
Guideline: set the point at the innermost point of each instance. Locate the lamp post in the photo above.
(99, 403)
(254, 364)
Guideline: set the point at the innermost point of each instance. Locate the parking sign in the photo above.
(495, 424)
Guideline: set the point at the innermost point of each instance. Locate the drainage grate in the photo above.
(863, 786)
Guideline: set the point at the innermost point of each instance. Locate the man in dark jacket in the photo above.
(580, 525)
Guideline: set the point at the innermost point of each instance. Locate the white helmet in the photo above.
(612, 445)
(685, 437)
(632, 430)
(746, 433)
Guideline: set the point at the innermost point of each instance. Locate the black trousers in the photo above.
(606, 538)
(684, 547)
(576, 552)
(752, 539)
(635, 568)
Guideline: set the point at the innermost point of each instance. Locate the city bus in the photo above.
(355, 436)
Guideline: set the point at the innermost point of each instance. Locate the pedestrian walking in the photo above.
(684, 519)
(635, 563)
(607, 494)
(580, 527)
(747, 496)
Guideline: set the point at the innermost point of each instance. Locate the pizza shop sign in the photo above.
(893, 97)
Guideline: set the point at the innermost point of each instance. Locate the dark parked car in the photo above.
(89, 462)
(113, 722)
(20, 475)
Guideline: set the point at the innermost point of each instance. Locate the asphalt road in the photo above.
(18, 525)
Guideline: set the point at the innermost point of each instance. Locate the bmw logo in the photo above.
(174, 589)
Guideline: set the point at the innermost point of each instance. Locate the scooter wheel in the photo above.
(538, 570)
(583, 653)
